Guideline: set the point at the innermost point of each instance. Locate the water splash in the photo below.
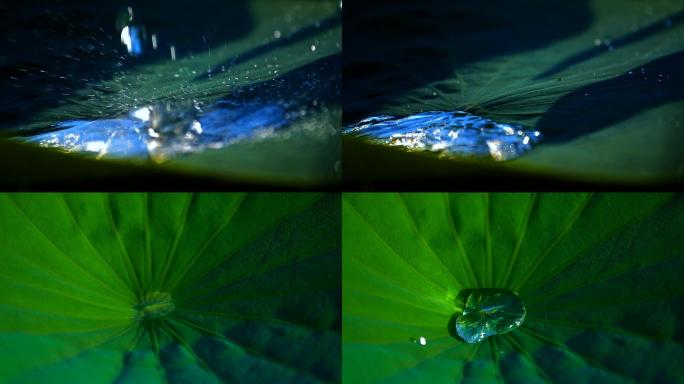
(489, 312)
(454, 133)
(164, 131)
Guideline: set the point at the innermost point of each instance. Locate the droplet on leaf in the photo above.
(154, 305)
(489, 312)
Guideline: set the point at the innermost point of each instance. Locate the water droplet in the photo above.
(276, 34)
(422, 341)
(489, 312)
(313, 48)
(131, 38)
(153, 306)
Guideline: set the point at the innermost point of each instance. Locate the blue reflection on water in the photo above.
(454, 133)
(164, 131)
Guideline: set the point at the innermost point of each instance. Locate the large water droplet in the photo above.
(154, 305)
(455, 133)
(489, 312)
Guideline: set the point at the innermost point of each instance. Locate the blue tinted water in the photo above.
(452, 133)
(164, 131)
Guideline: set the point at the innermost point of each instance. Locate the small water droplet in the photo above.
(313, 48)
(489, 312)
(422, 341)
(154, 305)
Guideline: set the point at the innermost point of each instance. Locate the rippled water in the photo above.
(163, 131)
(454, 133)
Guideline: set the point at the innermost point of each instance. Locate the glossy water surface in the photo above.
(490, 312)
(453, 133)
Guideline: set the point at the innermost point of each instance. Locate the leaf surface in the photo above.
(254, 281)
(598, 273)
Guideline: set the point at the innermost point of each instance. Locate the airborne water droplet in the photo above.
(489, 312)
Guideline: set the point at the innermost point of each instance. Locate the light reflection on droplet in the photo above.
(142, 113)
(489, 312)
(422, 341)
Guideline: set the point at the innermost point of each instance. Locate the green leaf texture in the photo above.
(600, 275)
(254, 280)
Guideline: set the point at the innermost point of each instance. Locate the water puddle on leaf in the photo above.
(489, 312)
(452, 133)
(154, 305)
(164, 131)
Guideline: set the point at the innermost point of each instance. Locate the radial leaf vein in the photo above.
(363, 220)
(457, 238)
(104, 284)
(564, 231)
(418, 233)
(510, 263)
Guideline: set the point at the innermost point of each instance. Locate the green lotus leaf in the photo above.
(180, 288)
(601, 80)
(599, 276)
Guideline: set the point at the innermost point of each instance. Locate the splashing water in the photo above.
(163, 131)
(490, 312)
(454, 133)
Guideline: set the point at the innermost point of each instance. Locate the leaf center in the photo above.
(154, 305)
